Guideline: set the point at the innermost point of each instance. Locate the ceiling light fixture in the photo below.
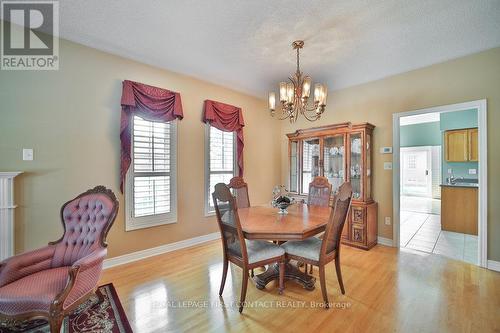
(294, 95)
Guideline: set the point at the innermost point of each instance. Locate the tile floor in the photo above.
(422, 232)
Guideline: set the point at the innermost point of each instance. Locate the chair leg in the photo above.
(311, 269)
(251, 273)
(224, 275)
(244, 284)
(282, 277)
(323, 284)
(56, 323)
(339, 275)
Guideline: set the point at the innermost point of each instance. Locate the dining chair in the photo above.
(240, 191)
(320, 190)
(246, 254)
(319, 252)
(319, 194)
(52, 281)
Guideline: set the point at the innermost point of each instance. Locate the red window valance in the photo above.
(227, 118)
(150, 103)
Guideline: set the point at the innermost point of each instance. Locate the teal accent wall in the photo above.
(458, 120)
(425, 134)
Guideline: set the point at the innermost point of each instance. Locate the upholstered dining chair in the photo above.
(319, 252)
(246, 254)
(240, 191)
(52, 281)
(320, 190)
(319, 194)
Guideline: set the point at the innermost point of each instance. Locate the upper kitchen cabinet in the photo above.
(473, 145)
(461, 145)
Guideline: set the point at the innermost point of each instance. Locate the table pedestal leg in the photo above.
(291, 273)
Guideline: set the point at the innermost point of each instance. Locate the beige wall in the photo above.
(71, 119)
(465, 79)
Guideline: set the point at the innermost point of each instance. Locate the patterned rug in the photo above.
(102, 313)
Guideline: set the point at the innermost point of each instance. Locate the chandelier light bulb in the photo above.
(272, 101)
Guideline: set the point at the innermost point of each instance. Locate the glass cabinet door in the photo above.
(355, 174)
(294, 165)
(310, 162)
(368, 167)
(334, 160)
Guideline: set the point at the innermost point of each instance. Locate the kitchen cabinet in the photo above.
(459, 212)
(461, 145)
(339, 152)
(473, 145)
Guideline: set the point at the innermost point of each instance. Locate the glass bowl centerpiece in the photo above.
(281, 199)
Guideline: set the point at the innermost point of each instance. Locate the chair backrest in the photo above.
(226, 210)
(319, 192)
(86, 220)
(240, 190)
(338, 216)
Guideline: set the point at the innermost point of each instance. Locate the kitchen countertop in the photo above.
(472, 185)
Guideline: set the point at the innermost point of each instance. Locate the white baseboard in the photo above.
(384, 241)
(494, 265)
(135, 256)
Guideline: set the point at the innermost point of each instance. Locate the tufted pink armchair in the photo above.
(52, 281)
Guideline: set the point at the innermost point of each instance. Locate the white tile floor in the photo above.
(422, 232)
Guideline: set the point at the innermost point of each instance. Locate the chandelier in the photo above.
(294, 95)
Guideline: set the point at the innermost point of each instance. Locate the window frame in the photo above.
(207, 196)
(136, 223)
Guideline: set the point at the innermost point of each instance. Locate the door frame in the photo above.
(481, 107)
(428, 151)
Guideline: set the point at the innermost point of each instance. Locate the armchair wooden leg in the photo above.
(224, 275)
(56, 323)
(323, 284)
(251, 273)
(339, 275)
(282, 277)
(311, 269)
(244, 284)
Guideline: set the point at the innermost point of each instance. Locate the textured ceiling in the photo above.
(245, 45)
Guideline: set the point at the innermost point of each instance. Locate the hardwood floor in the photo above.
(386, 290)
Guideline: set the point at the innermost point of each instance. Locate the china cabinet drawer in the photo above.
(358, 233)
(358, 215)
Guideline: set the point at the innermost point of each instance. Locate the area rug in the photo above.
(102, 313)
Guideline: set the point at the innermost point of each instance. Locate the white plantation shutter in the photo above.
(151, 177)
(220, 161)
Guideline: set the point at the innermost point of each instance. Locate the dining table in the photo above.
(266, 223)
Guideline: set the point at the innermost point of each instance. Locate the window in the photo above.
(151, 179)
(220, 152)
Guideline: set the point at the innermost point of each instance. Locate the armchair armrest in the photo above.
(83, 277)
(19, 266)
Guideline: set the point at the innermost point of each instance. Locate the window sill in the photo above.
(138, 226)
(209, 214)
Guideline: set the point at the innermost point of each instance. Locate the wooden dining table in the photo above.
(265, 223)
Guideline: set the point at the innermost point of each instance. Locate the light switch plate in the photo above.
(450, 171)
(386, 150)
(387, 165)
(472, 171)
(27, 154)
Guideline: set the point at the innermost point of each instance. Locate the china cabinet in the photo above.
(339, 152)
